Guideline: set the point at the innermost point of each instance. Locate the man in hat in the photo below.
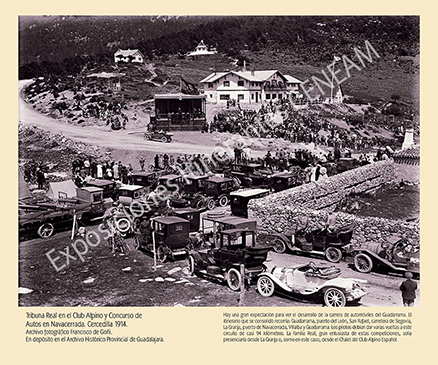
(408, 288)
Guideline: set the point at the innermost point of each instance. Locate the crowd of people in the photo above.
(295, 126)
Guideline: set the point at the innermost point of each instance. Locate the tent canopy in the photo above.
(62, 189)
(23, 190)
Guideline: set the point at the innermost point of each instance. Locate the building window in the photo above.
(211, 96)
(224, 97)
(226, 83)
(252, 96)
(274, 96)
(240, 97)
(268, 96)
(210, 85)
(240, 83)
(280, 96)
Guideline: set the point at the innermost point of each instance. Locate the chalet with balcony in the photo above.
(249, 86)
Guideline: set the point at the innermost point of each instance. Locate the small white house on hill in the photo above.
(201, 50)
(128, 55)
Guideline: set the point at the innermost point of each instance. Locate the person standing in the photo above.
(142, 163)
(41, 179)
(408, 288)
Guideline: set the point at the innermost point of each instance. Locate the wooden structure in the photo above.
(179, 112)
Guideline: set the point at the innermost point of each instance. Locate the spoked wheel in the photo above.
(46, 230)
(161, 254)
(163, 139)
(333, 254)
(333, 297)
(151, 168)
(265, 286)
(192, 269)
(223, 201)
(248, 182)
(200, 204)
(234, 279)
(279, 245)
(147, 137)
(363, 263)
(211, 204)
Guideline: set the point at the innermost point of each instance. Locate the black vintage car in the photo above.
(171, 236)
(331, 244)
(146, 179)
(240, 199)
(222, 263)
(194, 190)
(161, 136)
(284, 180)
(218, 189)
(109, 187)
(190, 214)
(251, 174)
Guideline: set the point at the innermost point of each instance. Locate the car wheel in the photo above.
(363, 263)
(211, 204)
(265, 286)
(192, 269)
(151, 168)
(333, 254)
(163, 139)
(248, 182)
(200, 204)
(161, 254)
(223, 201)
(234, 279)
(279, 245)
(334, 297)
(46, 230)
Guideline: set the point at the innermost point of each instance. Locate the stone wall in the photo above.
(283, 211)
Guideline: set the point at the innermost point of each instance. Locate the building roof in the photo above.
(411, 153)
(178, 96)
(254, 76)
(170, 220)
(292, 80)
(127, 52)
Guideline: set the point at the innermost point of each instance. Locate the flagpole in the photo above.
(331, 90)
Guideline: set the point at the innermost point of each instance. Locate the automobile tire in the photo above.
(46, 230)
(161, 254)
(248, 182)
(279, 245)
(192, 267)
(211, 204)
(363, 263)
(223, 201)
(200, 204)
(163, 139)
(234, 279)
(333, 254)
(265, 286)
(151, 168)
(333, 297)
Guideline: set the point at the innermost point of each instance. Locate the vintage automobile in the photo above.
(284, 180)
(161, 136)
(171, 235)
(240, 199)
(331, 244)
(190, 214)
(222, 263)
(109, 187)
(251, 174)
(217, 190)
(45, 217)
(194, 190)
(130, 193)
(311, 280)
(146, 179)
(395, 255)
(173, 183)
(213, 223)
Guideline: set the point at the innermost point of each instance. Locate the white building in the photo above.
(249, 86)
(128, 55)
(201, 50)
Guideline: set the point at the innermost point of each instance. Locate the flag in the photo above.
(188, 88)
(337, 58)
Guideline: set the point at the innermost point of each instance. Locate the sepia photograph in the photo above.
(218, 161)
